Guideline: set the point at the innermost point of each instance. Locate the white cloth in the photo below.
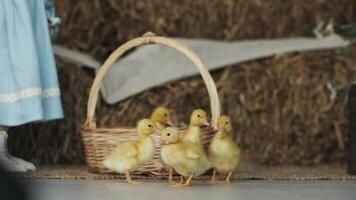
(153, 65)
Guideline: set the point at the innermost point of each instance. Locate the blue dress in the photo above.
(28, 79)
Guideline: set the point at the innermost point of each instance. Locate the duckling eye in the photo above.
(165, 114)
(168, 134)
(227, 123)
(150, 125)
(198, 116)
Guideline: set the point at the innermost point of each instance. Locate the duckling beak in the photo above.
(220, 131)
(161, 142)
(205, 123)
(170, 123)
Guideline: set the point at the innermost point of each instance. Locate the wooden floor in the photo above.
(240, 190)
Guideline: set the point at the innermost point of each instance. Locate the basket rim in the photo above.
(86, 127)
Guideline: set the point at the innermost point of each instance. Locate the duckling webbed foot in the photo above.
(181, 181)
(228, 177)
(187, 182)
(134, 182)
(129, 179)
(213, 178)
(170, 177)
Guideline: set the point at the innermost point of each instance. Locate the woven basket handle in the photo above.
(149, 38)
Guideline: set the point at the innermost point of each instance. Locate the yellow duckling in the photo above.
(223, 151)
(198, 162)
(161, 117)
(175, 154)
(172, 151)
(129, 155)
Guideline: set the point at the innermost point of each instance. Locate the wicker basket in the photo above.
(99, 142)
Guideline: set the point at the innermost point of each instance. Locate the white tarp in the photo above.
(153, 65)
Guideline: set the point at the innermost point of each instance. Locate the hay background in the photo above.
(280, 106)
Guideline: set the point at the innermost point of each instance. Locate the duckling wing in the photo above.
(191, 154)
(131, 152)
(123, 157)
(128, 149)
(124, 150)
(195, 160)
(232, 147)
